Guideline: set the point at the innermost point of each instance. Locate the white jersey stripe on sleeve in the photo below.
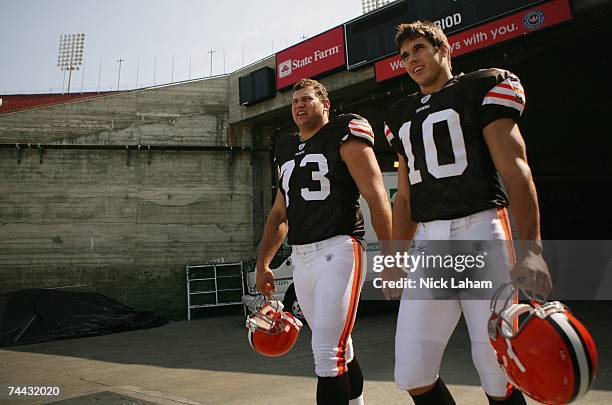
(505, 102)
(360, 124)
(506, 90)
(361, 129)
(508, 93)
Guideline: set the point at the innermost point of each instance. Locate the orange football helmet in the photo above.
(543, 349)
(272, 331)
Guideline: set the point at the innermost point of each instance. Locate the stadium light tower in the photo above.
(70, 53)
(120, 61)
(211, 60)
(371, 5)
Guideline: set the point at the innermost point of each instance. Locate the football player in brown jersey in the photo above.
(455, 138)
(322, 170)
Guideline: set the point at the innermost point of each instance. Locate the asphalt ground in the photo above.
(209, 361)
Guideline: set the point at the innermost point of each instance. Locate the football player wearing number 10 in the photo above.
(322, 170)
(454, 138)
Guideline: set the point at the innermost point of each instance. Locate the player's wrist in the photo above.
(387, 248)
(533, 246)
(528, 250)
(261, 267)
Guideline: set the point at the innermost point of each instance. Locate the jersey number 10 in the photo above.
(431, 152)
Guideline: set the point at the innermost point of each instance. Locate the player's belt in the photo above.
(324, 244)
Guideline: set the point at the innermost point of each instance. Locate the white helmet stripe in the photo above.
(582, 379)
(587, 354)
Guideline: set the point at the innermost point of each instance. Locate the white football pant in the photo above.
(424, 326)
(328, 277)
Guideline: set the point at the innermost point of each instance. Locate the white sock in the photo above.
(357, 401)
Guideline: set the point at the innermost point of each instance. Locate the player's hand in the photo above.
(531, 274)
(392, 274)
(264, 281)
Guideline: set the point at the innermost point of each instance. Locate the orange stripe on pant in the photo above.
(352, 312)
(505, 221)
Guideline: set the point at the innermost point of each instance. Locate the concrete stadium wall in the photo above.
(192, 112)
(86, 217)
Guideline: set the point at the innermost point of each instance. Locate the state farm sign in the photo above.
(310, 58)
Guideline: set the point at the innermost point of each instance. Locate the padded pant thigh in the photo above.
(423, 330)
(492, 378)
(329, 284)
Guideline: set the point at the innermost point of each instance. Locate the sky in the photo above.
(148, 35)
